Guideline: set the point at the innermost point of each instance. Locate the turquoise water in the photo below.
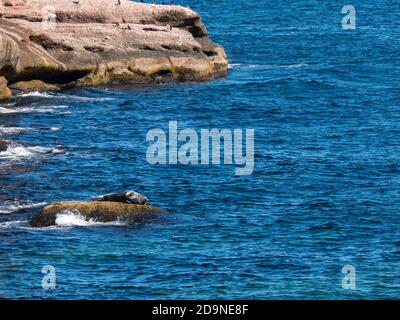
(324, 104)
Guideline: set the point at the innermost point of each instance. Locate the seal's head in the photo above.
(135, 198)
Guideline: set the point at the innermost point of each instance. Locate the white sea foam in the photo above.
(75, 219)
(39, 109)
(65, 219)
(80, 98)
(234, 65)
(9, 224)
(17, 151)
(16, 205)
(250, 66)
(13, 130)
(10, 104)
(16, 130)
(21, 224)
(38, 94)
(298, 65)
(47, 95)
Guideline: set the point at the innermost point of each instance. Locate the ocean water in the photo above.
(325, 192)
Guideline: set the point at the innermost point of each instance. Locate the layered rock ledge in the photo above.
(99, 211)
(99, 42)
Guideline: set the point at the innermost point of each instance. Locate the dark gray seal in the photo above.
(131, 197)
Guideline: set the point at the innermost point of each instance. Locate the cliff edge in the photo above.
(98, 42)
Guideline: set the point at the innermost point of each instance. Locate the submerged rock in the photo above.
(4, 145)
(19, 150)
(98, 42)
(99, 211)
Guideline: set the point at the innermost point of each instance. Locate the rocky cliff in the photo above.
(97, 42)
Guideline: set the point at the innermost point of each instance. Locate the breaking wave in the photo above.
(75, 219)
(14, 223)
(40, 109)
(36, 94)
(16, 205)
(16, 130)
(47, 95)
(13, 130)
(17, 151)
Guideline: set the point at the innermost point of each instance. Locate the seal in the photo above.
(131, 197)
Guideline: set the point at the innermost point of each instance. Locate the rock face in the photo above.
(98, 42)
(98, 211)
(32, 85)
(5, 92)
(11, 3)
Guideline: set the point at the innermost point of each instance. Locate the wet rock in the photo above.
(5, 92)
(99, 211)
(4, 145)
(33, 85)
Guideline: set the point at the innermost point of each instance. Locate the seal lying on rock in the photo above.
(98, 211)
(131, 197)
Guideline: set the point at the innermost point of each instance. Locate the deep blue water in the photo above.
(325, 106)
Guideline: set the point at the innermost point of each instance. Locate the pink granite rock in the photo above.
(97, 42)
